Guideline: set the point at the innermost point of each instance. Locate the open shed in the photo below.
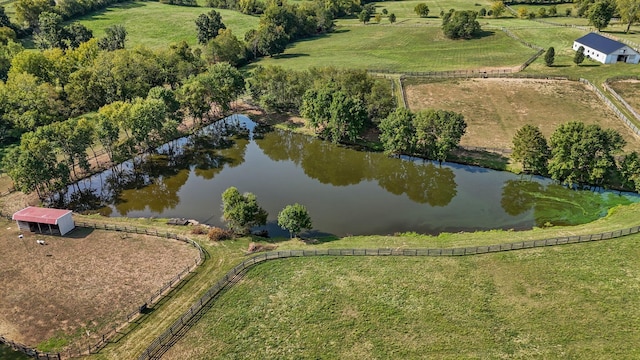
(44, 220)
(605, 50)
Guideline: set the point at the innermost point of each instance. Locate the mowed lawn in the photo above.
(402, 48)
(495, 109)
(577, 301)
(157, 25)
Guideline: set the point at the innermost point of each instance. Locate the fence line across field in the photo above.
(164, 342)
(609, 89)
(78, 350)
(612, 106)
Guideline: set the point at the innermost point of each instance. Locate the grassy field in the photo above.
(629, 90)
(81, 285)
(399, 48)
(540, 303)
(157, 25)
(495, 109)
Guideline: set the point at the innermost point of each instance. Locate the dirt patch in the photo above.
(81, 285)
(495, 109)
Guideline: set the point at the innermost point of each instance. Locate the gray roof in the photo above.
(600, 43)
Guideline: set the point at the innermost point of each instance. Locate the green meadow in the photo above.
(157, 25)
(402, 48)
(550, 303)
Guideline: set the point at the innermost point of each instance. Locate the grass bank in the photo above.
(548, 302)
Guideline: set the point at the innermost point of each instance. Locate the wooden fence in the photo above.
(613, 107)
(164, 342)
(620, 98)
(103, 340)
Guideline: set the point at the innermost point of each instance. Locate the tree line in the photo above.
(578, 155)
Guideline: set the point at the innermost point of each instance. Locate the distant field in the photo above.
(495, 109)
(404, 9)
(399, 48)
(630, 91)
(545, 303)
(158, 25)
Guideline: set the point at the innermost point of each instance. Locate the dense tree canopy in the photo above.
(583, 154)
(208, 25)
(601, 12)
(530, 149)
(629, 11)
(241, 212)
(397, 132)
(421, 10)
(294, 218)
(460, 24)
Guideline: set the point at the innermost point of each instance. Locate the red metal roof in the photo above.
(40, 215)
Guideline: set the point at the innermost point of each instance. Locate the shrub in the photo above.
(218, 234)
(199, 230)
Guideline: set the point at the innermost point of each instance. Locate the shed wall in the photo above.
(66, 224)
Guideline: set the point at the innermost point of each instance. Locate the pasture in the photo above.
(537, 303)
(81, 285)
(629, 90)
(399, 48)
(157, 25)
(495, 109)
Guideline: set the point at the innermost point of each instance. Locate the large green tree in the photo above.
(530, 149)
(225, 48)
(272, 39)
(550, 56)
(421, 10)
(114, 38)
(241, 212)
(601, 12)
(460, 24)
(629, 12)
(438, 132)
(294, 218)
(583, 154)
(208, 25)
(34, 166)
(578, 58)
(397, 132)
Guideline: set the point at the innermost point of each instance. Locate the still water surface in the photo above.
(345, 191)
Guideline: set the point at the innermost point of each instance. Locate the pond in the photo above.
(346, 191)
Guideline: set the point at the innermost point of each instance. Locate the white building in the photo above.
(605, 50)
(44, 220)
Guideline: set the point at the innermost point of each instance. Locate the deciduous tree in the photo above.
(600, 13)
(114, 39)
(241, 212)
(438, 132)
(531, 150)
(629, 12)
(583, 154)
(421, 10)
(397, 132)
(498, 8)
(294, 218)
(460, 25)
(208, 25)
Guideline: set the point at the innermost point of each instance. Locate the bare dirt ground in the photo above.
(80, 285)
(495, 109)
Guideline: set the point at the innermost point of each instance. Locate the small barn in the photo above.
(44, 220)
(605, 50)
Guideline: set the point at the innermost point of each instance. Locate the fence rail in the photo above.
(612, 106)
(620, 98)
(102, 341)
(163, 342)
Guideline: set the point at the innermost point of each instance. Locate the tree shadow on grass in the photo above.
(289, 56)
(483, 34)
